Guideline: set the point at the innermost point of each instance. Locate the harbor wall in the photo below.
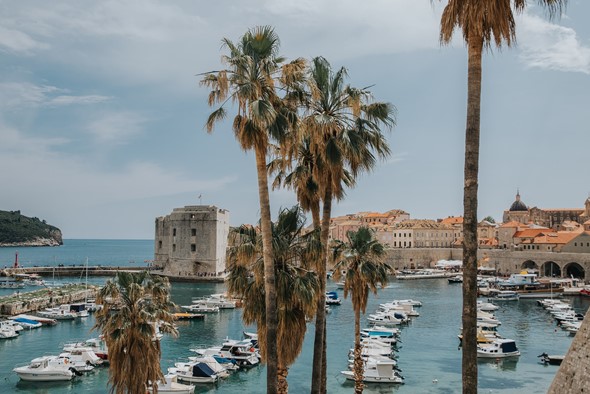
(505, 261)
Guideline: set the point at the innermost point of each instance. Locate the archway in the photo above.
(575, 270)
(551, 269)
(530, 266)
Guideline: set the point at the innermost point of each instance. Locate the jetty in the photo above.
(72, 270)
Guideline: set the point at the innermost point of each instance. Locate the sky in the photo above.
(102, 116)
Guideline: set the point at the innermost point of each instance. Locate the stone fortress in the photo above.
(191, 242)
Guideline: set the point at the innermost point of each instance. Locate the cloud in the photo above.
(116, 127)
(549, 46)
(397, 157)
(19, 42)
(19, 95)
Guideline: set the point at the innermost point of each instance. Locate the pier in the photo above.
(72, 271)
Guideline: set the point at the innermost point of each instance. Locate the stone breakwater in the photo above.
(32, 301)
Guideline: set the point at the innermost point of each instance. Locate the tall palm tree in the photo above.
(343, 126)
(297, 284)
(250, 80)
(133, 305)
(361, 257)
(482, 23)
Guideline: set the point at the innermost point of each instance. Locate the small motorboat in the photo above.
(7, 331)
(194, 373)
(498, 348)
(332, 298)
(551, 360)
(503, 295)
(82, 359)
(171, 386)
(46, 369)
(384, 372)
(455, 279)
(201, 308)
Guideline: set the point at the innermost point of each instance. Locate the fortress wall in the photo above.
(573, 376)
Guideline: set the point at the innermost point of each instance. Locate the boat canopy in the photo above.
(509, 347)
(202, 370)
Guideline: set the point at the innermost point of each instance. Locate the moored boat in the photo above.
(46, 369)
(498, 348)
(551, 359)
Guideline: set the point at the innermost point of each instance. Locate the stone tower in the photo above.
(192, 241)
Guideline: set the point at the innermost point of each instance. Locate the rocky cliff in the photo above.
(20, 230)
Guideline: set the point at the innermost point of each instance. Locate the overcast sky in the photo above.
(102, 117)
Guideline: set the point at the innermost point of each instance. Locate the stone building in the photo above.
(552, 218)
(192, 241)
(422, 234)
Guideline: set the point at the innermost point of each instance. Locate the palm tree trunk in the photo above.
(470, 217)
(319, 367)
(358, 361)
(283, 385)
(269, 274)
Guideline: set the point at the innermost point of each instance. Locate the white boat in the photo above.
(26, 323)
(408, 301)
(193, 372)
(57, 314)
(7, 331)
(171, 386)
(456, 279)
(82, 359)
(383, 373)
(43, 320)
(340, 285)
(332, 298)
(423, 274)
(386, 319)
(503, 295)
(243, 352)
(11, 284)
(216, 300)
(408, 309)
(498, 348)
(46, 369)
(97, 345)
(221, 370)
(487, 306)
(201, 308)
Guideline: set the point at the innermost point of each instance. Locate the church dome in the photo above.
(518, 205)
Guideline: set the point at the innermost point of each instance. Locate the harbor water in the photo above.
(429, 355)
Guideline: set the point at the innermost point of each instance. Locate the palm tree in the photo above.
(362, 260)
(482, 23)
(343, 127)
(134, 307)
(251, 79)
(297, 285)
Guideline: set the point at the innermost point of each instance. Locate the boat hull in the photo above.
(45, 377)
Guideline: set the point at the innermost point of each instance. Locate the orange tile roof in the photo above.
(513, 224)
(453, 220)
(560, 238)
(531, 232)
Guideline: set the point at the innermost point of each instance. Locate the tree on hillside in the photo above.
(135, 307)
(483, 23)
(253, 74)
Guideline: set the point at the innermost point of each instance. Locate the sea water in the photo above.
(429, 354)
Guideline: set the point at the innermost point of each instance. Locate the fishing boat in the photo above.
(46, 369)
(498, 348)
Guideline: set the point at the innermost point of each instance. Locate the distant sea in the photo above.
(75, 252)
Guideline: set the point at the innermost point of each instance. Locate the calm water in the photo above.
(429, 350)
